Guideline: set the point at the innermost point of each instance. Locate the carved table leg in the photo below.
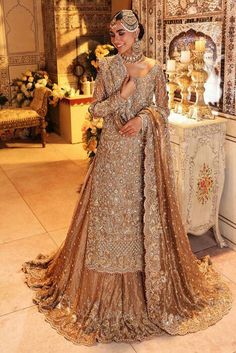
(221, 242)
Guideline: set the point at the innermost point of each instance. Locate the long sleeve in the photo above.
(161, 98)
(105, 105)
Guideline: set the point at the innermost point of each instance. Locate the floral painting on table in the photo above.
(205, 184)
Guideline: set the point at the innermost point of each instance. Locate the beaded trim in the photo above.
(129, 20)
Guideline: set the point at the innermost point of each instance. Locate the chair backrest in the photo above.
(40, 100)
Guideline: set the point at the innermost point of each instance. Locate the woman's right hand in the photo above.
(128, 87)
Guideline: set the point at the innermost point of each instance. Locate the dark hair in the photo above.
(119, 15)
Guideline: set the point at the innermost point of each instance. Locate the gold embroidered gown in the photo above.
(126, 271)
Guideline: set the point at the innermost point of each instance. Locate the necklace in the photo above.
(132, 58)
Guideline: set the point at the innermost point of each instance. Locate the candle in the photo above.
(200, 45)
(185, 56)
(86, 88)
(170, 65)
(92, 83)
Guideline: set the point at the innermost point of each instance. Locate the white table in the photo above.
(199, 163)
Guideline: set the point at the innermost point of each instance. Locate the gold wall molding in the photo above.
(186, 8)
(229, 97)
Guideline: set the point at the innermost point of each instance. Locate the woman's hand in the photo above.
(132, 127)
(128, 87)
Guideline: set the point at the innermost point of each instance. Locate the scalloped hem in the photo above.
(95, 339)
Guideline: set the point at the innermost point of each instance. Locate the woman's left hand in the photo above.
(132, 127)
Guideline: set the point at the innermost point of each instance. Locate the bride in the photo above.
(126, 271)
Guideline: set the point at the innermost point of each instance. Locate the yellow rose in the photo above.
(28, 73)
(105, 52)
(98, 123)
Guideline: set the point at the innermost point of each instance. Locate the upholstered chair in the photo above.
(32, 116)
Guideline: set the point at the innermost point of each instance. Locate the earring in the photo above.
(137, 47)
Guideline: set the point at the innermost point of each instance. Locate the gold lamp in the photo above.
(184, 81)
(200, 109)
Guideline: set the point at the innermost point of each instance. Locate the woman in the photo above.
(126, 271)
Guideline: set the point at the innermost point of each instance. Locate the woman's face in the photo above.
(121, 38)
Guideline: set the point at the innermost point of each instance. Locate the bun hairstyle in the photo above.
(119, 16)
(141, 31)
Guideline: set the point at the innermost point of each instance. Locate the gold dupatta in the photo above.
(183, 294)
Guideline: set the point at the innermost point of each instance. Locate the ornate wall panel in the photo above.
(211, 29)
(4, 74)
(187, 8)
(229, 102)
(21, 39)
(164, 19)
(70, 20)
(151, 16)
(20, 26)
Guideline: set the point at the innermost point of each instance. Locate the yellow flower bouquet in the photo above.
(93, 56)
(91, 132)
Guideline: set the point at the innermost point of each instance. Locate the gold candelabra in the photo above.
(172, 86)
(190, 76)
(184, 81)
(200, 109)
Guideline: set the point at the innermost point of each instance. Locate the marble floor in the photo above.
(38, 191)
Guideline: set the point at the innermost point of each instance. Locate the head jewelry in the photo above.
(128, 21)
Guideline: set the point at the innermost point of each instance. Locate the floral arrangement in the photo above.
(93, 56)
(92, 128)
(91, 132)
(23, 88)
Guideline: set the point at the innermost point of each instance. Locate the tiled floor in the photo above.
(38, 192)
